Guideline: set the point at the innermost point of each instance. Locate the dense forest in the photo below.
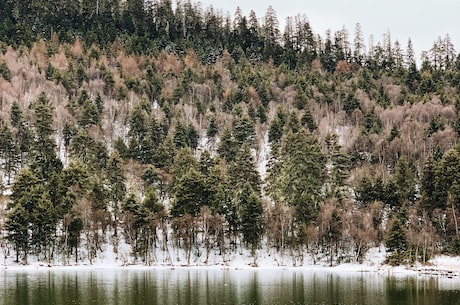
(162, 125)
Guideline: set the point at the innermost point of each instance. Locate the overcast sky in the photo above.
(421, 20)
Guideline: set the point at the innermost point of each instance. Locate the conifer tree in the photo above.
(339, 164)
(251, 216)
(296, 176)
(8, 151)
(45, 161)
(17, 226)
(243, 170)
(116, 183)
(396, 242)
(190, 194)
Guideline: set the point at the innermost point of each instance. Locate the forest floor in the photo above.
(441, 265)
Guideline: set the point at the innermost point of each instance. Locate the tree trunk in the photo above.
(455, 218)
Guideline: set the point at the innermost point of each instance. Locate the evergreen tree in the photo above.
(296, 176)
(447, 176)
(190, 194)
(44, 219)
(89, 152)
(8, 151)
(228, 146)
(404, 181)
(338, 166)
(116, 183)
(139, 148)
(252, 220)
(428, 185)
(396, 242)
(213, 129)
(45, 161)
(243, 170)
(243, 131)
(17, 226)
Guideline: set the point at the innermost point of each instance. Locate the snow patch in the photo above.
(263, 157)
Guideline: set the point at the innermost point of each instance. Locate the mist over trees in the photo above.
(168, 126)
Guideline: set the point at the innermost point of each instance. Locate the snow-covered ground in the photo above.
(241, 259)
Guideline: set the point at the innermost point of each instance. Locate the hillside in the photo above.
(185, 131)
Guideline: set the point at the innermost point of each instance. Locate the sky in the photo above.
(421, 20)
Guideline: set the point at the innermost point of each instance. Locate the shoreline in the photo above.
(449, 271)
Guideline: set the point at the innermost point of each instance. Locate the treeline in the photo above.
(147, 27)
(185, 129)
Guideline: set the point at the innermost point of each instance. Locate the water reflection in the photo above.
(192, 286)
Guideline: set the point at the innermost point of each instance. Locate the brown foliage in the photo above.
(168, 62)
(342, 67)
(59, 61)
(129, 66)
(77, 48)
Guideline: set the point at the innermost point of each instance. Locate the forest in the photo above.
(166, 125)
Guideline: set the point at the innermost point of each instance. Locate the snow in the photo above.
(263, 157)
(120, 256)
(241, 259)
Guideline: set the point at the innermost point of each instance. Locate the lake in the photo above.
(212, 286)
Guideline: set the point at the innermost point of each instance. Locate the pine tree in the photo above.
(228, 145)
(243, 170)
(44, 219)
(17, 226)
(427, 185)
(8, 151)
(251, 217)
(447, 175)
(116, 183)
(89, 151)
(139, 148)
(358, 53)
(338, 166)
(190, 194)
(296, 176)
(45, 161)
(396, 242)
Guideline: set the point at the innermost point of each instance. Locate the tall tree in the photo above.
(45, 162)
(252, 221)
(358, 52)
(338, 167)
(116, 182)
(296, 176)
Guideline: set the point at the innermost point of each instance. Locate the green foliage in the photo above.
(190, 194)
(296, 177)
(339, 165)
(350, 104)
(369, 190)
(371, 123)
(185, 136)
(89, 151)
(436, 124)
(308, 121)
(252, 220)
(228, 145)
(5, 71)
(396, 242)
(405, 183)
(394, 133)
(8, 151)
(237, 80)
(18, 230)
(213, 129)
(45, 162)
(447, 177)
(243, 170)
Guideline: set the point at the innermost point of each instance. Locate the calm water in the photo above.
(221, 287)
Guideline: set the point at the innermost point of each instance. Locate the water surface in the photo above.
(197, 286)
